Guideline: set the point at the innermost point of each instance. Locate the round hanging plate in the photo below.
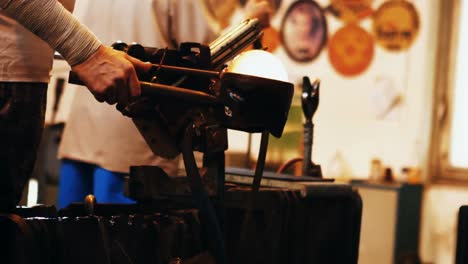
(351, 50)
(304, 30)
(351, 10)
(396, 25)
(271, 39)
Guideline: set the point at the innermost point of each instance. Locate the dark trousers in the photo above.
(22, 111)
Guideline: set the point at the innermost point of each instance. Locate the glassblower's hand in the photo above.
(111, 75)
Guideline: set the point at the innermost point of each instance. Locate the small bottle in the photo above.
(405, 173)
(388, 176)
(414, 176)
(375, 170)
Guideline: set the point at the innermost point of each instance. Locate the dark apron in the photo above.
(22, 112)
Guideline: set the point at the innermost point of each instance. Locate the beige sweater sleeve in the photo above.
(49, 20)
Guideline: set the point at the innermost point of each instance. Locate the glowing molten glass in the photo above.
(259, 63)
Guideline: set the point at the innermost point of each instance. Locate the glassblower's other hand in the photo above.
(261, 10)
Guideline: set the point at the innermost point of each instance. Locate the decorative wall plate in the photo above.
(271, 39)
(304, 30)
(351, 10)
(396, 25)
(351, 50)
